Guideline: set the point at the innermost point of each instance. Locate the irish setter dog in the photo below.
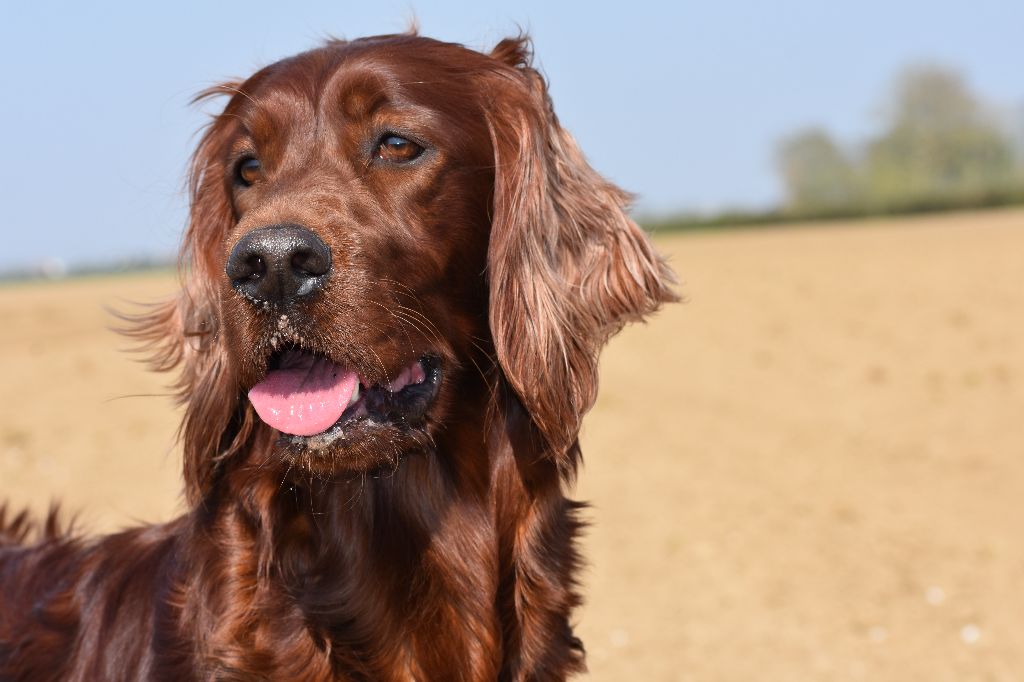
(398, 273)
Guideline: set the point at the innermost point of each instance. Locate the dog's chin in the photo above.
(380, 422)
(361, 446)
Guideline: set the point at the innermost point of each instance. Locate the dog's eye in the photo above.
(248, 171)
(395, 149)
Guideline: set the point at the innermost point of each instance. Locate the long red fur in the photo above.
(447, 554)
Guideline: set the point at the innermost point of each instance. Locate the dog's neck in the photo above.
(358, 558)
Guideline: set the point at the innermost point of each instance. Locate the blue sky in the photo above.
(680, 102)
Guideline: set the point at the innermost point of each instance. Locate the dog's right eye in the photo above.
(398, 150)
(248, 171)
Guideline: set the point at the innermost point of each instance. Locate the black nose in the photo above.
(279, 264)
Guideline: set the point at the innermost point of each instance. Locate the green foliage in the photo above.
(817, 173)
(938, 149)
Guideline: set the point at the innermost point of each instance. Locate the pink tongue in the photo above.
(305, 397)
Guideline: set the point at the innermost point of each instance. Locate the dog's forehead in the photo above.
(355, 78)
(345, 93)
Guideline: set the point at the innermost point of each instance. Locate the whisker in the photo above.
(414, 317)
(383, 369)
(137, 395)
(408, 339)
(418, 326)
(420, 316)
(285, 477)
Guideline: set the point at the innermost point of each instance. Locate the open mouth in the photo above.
(312, 400)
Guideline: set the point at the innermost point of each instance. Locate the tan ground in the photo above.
(814, 470)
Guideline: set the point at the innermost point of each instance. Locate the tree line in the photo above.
(940, 147)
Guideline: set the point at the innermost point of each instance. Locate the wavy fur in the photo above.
(443, 551)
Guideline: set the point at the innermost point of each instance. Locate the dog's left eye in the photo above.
(395, 149)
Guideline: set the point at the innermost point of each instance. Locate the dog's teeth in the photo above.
(355, 395)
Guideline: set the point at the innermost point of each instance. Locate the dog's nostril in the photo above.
(243, 268)
(309, 263)
(255, 267)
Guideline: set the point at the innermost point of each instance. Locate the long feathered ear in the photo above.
(567, 267)
(184, 332)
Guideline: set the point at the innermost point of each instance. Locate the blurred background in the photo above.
(810, 470)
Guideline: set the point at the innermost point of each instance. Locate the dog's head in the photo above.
(380, 229)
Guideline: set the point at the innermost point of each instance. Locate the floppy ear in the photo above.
(185, 330)
(567, 266)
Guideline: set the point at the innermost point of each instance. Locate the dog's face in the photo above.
(384, 229)
(353, 282)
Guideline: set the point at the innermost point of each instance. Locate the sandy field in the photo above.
(812, 470)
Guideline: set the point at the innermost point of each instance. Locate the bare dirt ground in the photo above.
(813, 470)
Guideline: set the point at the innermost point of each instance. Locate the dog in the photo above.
(397, 276)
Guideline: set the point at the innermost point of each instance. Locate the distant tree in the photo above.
(817, 173)
(939, 146)
(1018, 134)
